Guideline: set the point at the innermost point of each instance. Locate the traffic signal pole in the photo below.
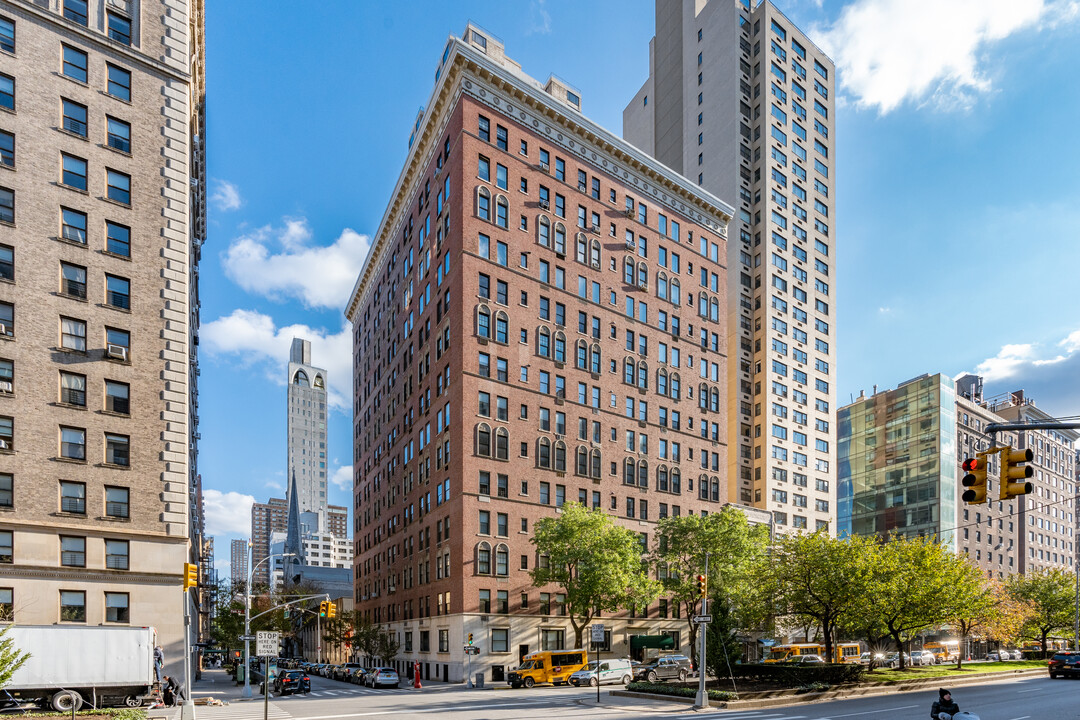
(702, 700)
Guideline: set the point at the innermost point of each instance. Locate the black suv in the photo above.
(670, 667)
(292, 681)
(1064, 662)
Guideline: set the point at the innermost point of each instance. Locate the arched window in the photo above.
(501, 322)
(714, 400)
(319, 381)
(543, 226)
(594, 253)
(594, 457)
(543, 453)
(661, 381)
(662, 478)
(543, 342)
(628, 471)
(483, 440)
(483, 321)
(714, 309)
(483, 559)
(502, 212)
(703, 487)
(560, 239)
(582, 356)
(703, 305)
(643, 375)
(300, 378)
(581, 249)
(628, 270)
(675, 292)
(560, 346)
(502, 560)
(581, 464)
(483, 204)
(560, 456)
(643, 474)
(703, 396)
(676, 480)
(714, 489)
(502, 444)
(661, 285)
(642, 275)
(628, 371)
(674, 382)
(595, 359)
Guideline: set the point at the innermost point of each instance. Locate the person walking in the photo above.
(159, 662)
(944, 708)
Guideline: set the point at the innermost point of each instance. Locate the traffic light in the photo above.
(1012, 470)
(470, 638)
(331, 610)
(975, 479)
(191, 575)
(702, 585)
(322, 608)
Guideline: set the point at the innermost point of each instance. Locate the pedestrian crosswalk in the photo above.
(778, 714)
(242, 711)
(349, 692)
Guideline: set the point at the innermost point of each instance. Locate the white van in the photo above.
(604, 671)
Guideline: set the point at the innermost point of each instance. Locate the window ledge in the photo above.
(118, 151)
(115, 308)
(118, 256)
(113, 413)
(7, 110)
(73, 461)
(72, 188)
(70, 406)
(72, 297)
(111, 518)
(61, 238)
(69, 133)
(110, 95)
(109, 200)
(73, 351)
(114, 466)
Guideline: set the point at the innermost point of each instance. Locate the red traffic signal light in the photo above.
(703, 585)
(971, 464)
(975, 480)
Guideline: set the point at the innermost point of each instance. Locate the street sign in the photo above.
(245, 638)
(472, 650)
(266, 643)
(703, 619)
(598, 632)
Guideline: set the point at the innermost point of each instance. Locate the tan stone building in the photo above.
(742, 102)
(102, 215)
(541, 320)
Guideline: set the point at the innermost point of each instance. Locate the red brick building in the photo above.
(541, 320)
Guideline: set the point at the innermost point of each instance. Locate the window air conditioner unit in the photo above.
(4, 445)
(596, 229)
(544, 166)
(4, 329)
(595, 265)
(544, 205)
(629, 212)
(630, 244)
(6, 386)
(643, 286)
(118, 352)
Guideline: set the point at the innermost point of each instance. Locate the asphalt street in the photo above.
(1031, 698)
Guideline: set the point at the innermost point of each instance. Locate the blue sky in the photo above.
(957, 184)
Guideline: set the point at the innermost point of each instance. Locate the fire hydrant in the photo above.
(416, 675)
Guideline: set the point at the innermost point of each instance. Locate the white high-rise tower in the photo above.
(307, 437)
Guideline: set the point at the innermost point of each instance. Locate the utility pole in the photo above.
(702, 700)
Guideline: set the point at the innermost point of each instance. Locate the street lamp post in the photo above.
(247, 623)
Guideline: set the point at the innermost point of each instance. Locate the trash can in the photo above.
(479, 682)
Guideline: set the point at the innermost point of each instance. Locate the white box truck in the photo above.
(75, 666)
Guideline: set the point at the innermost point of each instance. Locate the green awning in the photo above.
(660, 642)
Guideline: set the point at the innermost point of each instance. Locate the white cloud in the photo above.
(254, 340)
(226, 196)
(539, 19)
(227, 513)
(319, 276)
(889, 52)
(1046, 373)
(1007, 363)
(342, 478)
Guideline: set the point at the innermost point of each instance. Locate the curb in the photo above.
(809, 698)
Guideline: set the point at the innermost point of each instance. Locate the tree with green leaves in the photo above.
(734, 546)
(722, 647)
(977, 605)
(914, 583)
(820, 580)
(387, 645)
(597, 563)
(365, 637)
(11, 657)
(1050, 598)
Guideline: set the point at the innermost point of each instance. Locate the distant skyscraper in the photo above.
(740, 101)
(238, 561)
(266, 518)
(307, 436)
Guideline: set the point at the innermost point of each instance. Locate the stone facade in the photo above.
(105, 313)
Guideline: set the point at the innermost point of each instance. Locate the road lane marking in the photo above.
(1022, 717)
(1031, 690)
(869, 712)
(445, 708)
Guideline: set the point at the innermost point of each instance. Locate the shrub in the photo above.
(792, 675)
(813, 687)
(665, 689)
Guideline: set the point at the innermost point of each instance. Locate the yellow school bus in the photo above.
(553, 666)
(845, 652)
(944, 650)
(786, 653)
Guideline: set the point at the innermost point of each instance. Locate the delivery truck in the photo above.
(72, 666)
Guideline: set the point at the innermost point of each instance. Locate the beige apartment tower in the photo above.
(102, 215)
(527, 332)
(741, 102)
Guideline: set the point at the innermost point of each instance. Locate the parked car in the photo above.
(343, 671)
(879, 658)
(292, 681)
(358, 675)
(994, 656)
(1064, 663)
(892, 660)
(922, 657)
(382, 677)
(669, 667)
(604, 671)
(809, 659)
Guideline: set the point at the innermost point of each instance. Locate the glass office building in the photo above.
(897, 461)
